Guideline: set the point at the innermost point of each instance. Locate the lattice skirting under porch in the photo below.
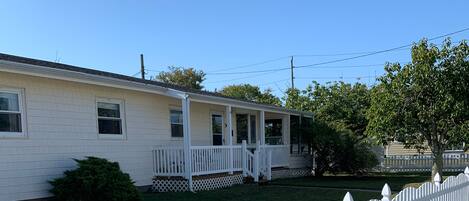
(291, 173)
(165, 184)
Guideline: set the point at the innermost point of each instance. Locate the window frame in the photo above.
(179, 109)
(21, 112)
(121, 103)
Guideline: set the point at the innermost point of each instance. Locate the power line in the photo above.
(340, 77)
(338, 54)
(273, 82)
(241, 78)
(249, 65)
(381, 51)
(136, 74)
(249, 72)
(360, 55)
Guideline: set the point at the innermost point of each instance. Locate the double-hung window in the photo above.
(176, 123)
(111, 118)
(11, 113)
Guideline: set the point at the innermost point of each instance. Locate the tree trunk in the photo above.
(437, 163)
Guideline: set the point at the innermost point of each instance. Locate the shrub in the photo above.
(339, 150)
(95, 179)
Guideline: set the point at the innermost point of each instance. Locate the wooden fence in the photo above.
(422, 163)
(452, 189)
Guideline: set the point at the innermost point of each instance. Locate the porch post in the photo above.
(187, 140)
(262, 126)
(230, 136)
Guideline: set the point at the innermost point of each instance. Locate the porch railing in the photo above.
(169, 160)
(214, 159)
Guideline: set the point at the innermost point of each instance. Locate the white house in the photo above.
(51, 113)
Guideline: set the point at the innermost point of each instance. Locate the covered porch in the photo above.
(242, 140)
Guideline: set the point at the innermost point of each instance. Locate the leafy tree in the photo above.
(339, 123)
(185, 77)
(424, 103)
(341, 104)
(298, 100)
(251, 93)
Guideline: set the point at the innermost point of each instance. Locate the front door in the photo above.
(217, 129)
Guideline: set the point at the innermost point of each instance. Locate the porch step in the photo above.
(263, 182)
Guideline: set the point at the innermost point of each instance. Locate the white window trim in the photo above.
(22, 112)
(176, 108)
(121, 103)
(222, 124)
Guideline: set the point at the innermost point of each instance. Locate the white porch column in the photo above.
(262, 126)
(187, 139)
(229, 128)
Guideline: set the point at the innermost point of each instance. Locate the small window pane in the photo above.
(10, 122)
(217, 140)
(110, 126)
(9, 101)
(176, 117)
(108, 110)
(176, 130)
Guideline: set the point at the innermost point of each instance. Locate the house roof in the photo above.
(60, 66)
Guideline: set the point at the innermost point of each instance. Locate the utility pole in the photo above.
(291, 76)
(142, 66)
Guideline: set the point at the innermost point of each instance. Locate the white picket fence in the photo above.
(452, 189)
(401, 163)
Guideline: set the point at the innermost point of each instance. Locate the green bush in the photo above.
(339, 150)
(95, 179)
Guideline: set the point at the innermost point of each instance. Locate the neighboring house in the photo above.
(397, 149)
(52, 112)
(399, 159)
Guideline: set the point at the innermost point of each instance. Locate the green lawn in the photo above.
(300, 189)
(261, 193)
(396, 182)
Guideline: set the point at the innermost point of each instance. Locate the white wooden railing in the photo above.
(452, 189)
(214, 159)
(402, 163)
(169, 160)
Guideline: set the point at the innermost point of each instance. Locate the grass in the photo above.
(261, 193)
(397, 183)
(330, 188)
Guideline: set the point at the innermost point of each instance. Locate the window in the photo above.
(110, 117)
(11, 113)
(273, 131)
(176, 123)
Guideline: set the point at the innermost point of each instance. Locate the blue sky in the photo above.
(217, 35)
